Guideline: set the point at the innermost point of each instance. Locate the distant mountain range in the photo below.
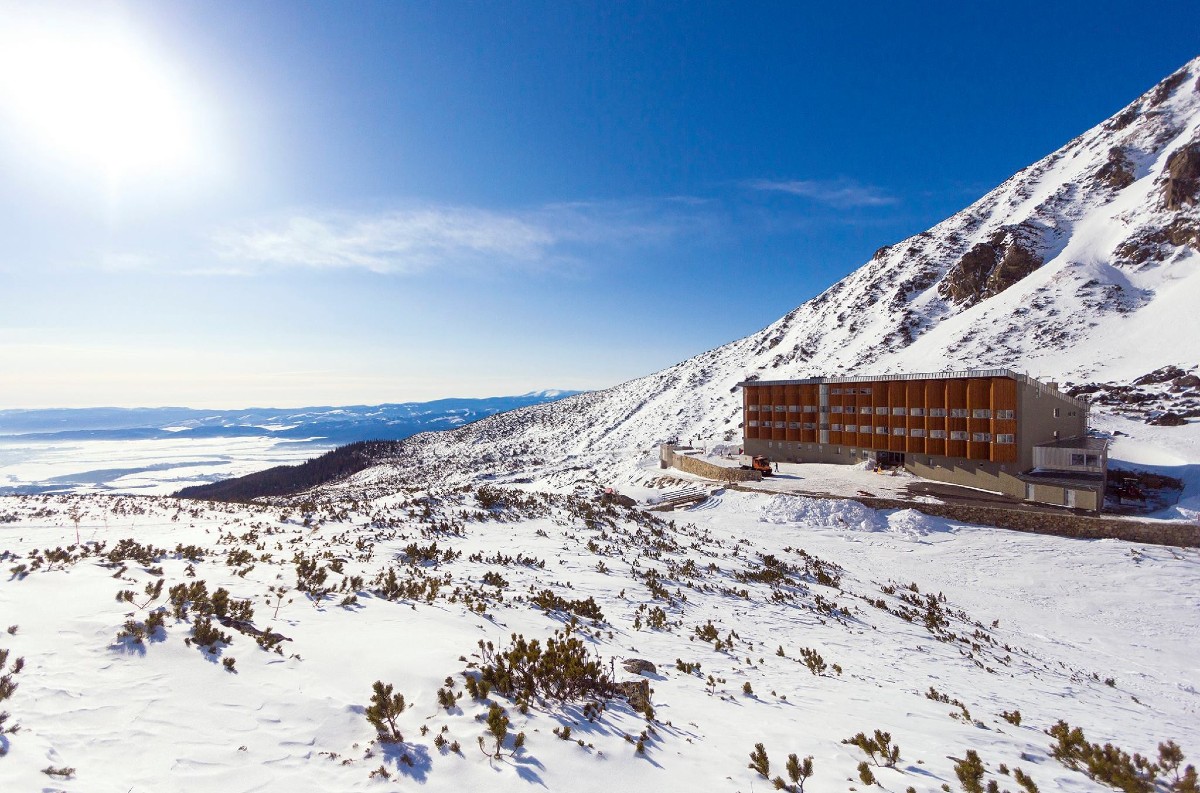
(330, 424)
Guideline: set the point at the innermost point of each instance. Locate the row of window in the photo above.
(955, 435)
(957, 413)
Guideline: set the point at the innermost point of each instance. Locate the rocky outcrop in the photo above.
(989, 268)
(1182, 186)
(639, 666)
(1157, 244)
(1117, 172)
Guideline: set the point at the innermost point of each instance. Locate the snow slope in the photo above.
(1013, 628)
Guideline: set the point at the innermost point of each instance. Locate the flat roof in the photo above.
(948, 374)
(1077, 442)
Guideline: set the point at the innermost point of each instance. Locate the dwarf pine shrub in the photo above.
(879, 747)
(497, 726)
(799, 771)
(866, 774)
(383, 711)
(562, 670)
(970, 771)
(813, 660)
(759, 761)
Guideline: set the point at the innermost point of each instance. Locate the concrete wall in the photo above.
(1000, 478)
(1060, 525)
(1057, 495)
(669, 458)
(1036, 422)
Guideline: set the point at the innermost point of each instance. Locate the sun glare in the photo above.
(96, 97)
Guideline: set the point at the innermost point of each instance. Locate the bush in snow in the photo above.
(383, 711)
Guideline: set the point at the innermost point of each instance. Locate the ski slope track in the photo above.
(1083, 268)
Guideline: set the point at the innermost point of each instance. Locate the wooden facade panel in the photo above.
(891, 405)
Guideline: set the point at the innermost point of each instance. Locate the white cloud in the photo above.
(399, 241)
(841, 193)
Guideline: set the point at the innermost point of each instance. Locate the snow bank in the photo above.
(824, 512)
(913, 524)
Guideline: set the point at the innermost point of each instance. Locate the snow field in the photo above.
(167, 717)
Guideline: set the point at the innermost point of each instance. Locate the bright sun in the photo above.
(92, 95)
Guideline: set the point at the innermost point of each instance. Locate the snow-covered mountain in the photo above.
(1083, 268)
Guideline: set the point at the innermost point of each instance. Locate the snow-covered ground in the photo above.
(1020, 623)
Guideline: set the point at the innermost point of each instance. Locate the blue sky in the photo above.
(281, 203)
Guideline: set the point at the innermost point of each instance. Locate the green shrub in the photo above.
(383, 711)
(970, 772)
(759, 761)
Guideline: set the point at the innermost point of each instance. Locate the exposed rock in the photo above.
(1167, 419)
(1164, 89)
(989, 268)
(1016, 264)
(639, 666)
(1187, 381)
(637, 692)
(1162, 375)
(1183, 177)
(1118, 171)
(965, 281)
(1123, 120)
(1158, 244)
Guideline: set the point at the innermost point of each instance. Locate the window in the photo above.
(1005, 414)
(793, 409)
(809, 425)
(897, 430)
(881, 411)
(824, 426)
(881, 430)
(851, 428)
(1057, 413)
(794, 425)
(937, 413)
(958, 413)
(916, 411)
(1004, 437)
(837, 391)
(958, 435)
(1093, 459)
(835, 408)
(981, 413)
(824, 408)
(810, 408)
(752, 408)
(780, 408)
(864, 390)
(898, 411)
(981, 437)
(835, 427)
(865, 410)
(917, 433)
(1077, 459)
(767, 424)
(939, 434)
(753, 423)
(838, 450)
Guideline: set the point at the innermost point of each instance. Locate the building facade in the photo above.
(980, 428)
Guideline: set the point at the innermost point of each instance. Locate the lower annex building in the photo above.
(993, 429)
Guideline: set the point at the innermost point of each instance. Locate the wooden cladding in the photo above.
(958, 417)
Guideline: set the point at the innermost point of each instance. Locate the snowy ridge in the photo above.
(1081, 267)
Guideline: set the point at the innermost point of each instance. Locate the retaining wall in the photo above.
(1082, 527)
(669, 458)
